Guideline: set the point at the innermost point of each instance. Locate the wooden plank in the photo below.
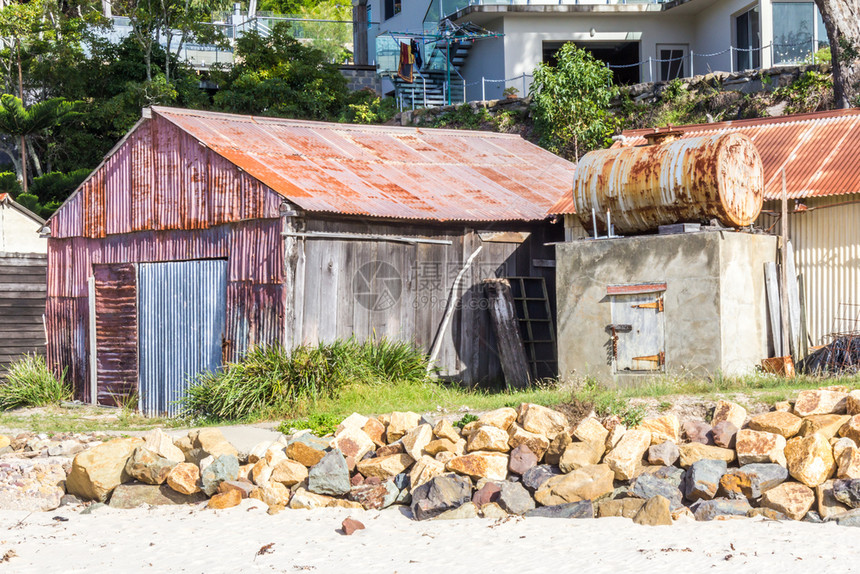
(329, 300)
(773, 307)
(510, 345)
(311, 304)
(783, 283)
(793, 294)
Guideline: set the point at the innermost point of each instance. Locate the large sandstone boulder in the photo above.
(148, 467)
(848, 463)
(491, 465)
(852, 403)
(586, 483)
(777, 422)
(501, 418)
(213, 443)
(289, 472)
(353, 442)
(579, 454)
(627, 455)
(184, 478)
(810, 459)
(731, 412)
(488, 438)
(820, 402)
(424, 469)
(655, 512)
(591, 431)
(759, 446)
(536, 443)
(134, 494)
(541, 420)
(160, 443)
(792, 499)
(304, 453)
(826, 503)
(400, 424)
(445, 430)
(825, 425)
(851, 429)
(417, 438)
(384, 467)
(695, 451)
(96, 472)
(664, 428)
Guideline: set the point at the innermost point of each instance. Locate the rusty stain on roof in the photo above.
(385, 171)
(819, 150)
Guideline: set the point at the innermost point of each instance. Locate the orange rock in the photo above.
(227, 499)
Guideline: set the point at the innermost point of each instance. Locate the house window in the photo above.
(748, 40)
(798, 31)
(391, 8)
(673, 60)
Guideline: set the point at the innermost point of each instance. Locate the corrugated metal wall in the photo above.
(182, 308)
(115, 290)
(826, 243)
(164, 197)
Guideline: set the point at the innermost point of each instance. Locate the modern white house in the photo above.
(641, 40)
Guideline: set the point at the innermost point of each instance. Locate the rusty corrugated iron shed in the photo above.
(385, 171)
(818, 150)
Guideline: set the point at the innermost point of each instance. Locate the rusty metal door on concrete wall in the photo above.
(182, 312)
(637, 330)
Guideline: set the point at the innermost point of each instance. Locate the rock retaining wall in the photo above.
(800, 461)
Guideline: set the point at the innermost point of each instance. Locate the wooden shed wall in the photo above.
(326, 305)
(22, 304)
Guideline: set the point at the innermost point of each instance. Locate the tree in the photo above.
(20, 123)
(277, 75)
(571, 102)
(842, 22)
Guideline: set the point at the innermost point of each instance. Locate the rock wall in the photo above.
(361, 78)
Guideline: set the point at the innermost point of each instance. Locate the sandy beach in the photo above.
(246, 539)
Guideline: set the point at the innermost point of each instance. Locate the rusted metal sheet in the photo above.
(116, 333)
(692, 179)
(68, 350)
(818, 150)
(385, 171)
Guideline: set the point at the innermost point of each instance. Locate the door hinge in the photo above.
(658, 304)
(659, 358)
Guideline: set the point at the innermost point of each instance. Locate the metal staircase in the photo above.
(430, 86)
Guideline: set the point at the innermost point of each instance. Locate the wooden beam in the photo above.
(512, 353)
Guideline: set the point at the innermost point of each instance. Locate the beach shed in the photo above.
(202, 234)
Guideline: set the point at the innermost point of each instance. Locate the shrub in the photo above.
(279, 381)
(9, 183)
(30, 383)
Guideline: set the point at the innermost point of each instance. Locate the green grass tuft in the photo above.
(30, 383)
(270, 382)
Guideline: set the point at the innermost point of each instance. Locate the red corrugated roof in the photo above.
(820, 151)
(387, 171)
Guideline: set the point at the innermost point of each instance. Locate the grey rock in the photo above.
(672, 474)
(581, 509)
(762, 476)
(402, 481)
(703, 479)
(70, 500)
(225, 467)
(850, 518)
(93, 507)
(195, 455)
(134, 494)
(330, 475)
(311, 440)
(812, 517)
(647, 486)
(705, 510)
(514, 498)
(537, 475)
(439, 494)
(666, 454)
(847, 491)
(148, 466)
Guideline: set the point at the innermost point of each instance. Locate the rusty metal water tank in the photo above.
(717, 176)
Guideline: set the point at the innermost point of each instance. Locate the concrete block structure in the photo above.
(687, 304)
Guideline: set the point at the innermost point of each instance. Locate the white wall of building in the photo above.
(19, 233)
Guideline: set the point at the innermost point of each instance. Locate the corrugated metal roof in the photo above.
(819, 150)
(385, 171)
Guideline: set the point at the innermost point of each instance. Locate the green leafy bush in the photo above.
(9, 183)
(274, 380)
(30, 383)
(467, 418)
(319, 424)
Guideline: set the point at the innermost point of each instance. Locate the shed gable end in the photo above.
(162, 178)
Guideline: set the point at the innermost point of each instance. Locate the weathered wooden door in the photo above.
(182, 312)
(638, 331)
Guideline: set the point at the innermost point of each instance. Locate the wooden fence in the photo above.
(22, 305)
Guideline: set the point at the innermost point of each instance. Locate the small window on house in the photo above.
(798, 31)
(391, 8)
(672, 61)
(747, 40)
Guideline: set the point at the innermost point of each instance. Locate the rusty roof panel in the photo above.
(818, 150)
(386, 171)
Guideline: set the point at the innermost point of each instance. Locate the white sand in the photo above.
(196, 540)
